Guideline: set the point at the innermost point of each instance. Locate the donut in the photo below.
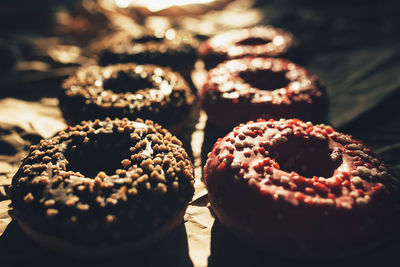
(252, 88)
(103, 187)
(302, 190)
(127, 90)
(173, 48)
(259, 41)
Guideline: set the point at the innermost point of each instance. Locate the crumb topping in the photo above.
(97, 92)
(155, 174)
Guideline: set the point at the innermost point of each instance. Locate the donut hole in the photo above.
(103, 153)
(307, 157)
(126, 82)
(254, 41)
(147, 39)
(265, 79)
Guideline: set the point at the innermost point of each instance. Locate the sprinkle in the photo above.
(363, 171)
(285, 179)
(82, 207)
(126, 163)
(356, 180)
(235, 165)
(110, 218)
(221, 167)
(51, 212)
(29, 198)
(361, 202)
(49, 202)
(321, 188)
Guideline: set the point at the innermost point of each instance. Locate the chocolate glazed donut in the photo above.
(250, 88)
(101, 188)
(173, 48)
(302, 190)
(127, 90)
(259, 41)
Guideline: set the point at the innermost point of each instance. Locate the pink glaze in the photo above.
(250, 88)
(260, 41)
(274, 182)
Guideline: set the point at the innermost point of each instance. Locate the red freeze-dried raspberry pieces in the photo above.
(331, 196)
(255, 151)
(309, 190)
(329, 130)
(378, 187)
(334, 183)
(300, 196)
(253, 134)
(346, 183)
(299, 180)
(269, 170)
(320, 187)
(221, 167)
(358, 163)
(346, 175)
(259, 167)
(267, 161)
(281, 127)
(229, 157)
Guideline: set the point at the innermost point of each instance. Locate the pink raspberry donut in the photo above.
(259, 41)
(246, 89)
(301, 190)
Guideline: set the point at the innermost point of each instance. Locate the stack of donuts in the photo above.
(117, 178)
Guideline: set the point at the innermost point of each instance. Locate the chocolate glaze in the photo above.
(259, 41)
(173, 48)
(326, 194)
(252, 88)
(126, 90)
(91, 204)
